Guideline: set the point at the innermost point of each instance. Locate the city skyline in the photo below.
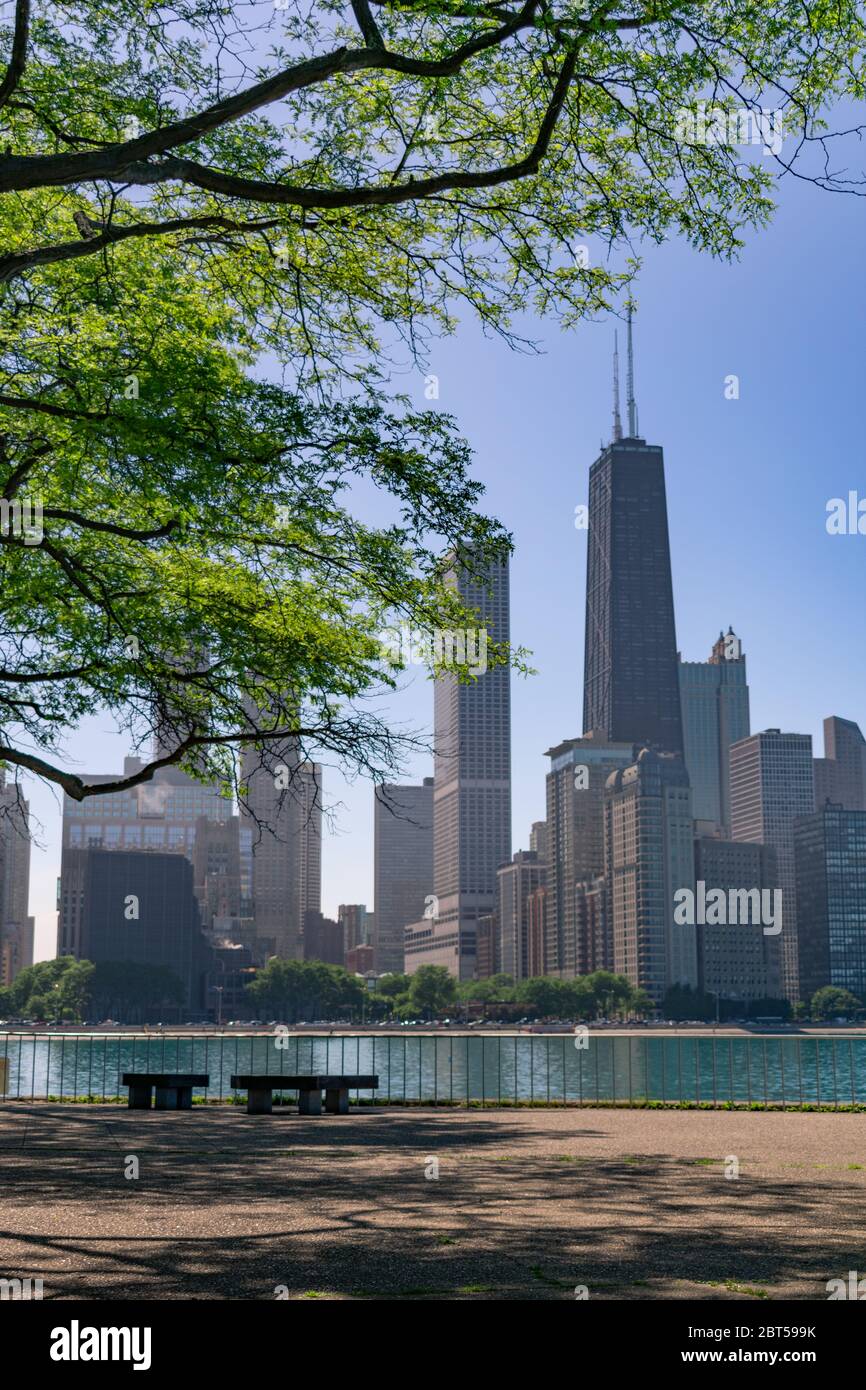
(720, 504)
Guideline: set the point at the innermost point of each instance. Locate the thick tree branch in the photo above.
(18, 57)
(90, 524)
(256, 191)
(115, 161)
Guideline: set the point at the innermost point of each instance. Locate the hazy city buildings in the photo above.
(323, 938)
(159, 816)
(772, 783)
(840, 776)
(649, 855)
(281, 814)
(517, 881)
(538, 838)
(830, 855)
(714, 699)
(16, 927)
(402, 866)
(631, 688)
(737, 961)
(579, 770)
(217, 871)
(488, 960)
(353, 920)
(471, 793)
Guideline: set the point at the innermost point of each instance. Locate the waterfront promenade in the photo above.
(527, 1204)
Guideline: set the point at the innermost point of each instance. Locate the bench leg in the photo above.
(140, 1097)
(337, 1100)
(260, 1101)
(167, 1097)
(184, 1097)
(309, 1102)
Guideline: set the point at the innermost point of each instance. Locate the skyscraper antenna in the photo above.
(617, 422)
(631, 404)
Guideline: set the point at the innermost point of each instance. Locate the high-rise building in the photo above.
(631, 689)
(281, 813)
(16, 927)
(140, 907)
(830, 858)
(772, 783)
(714, 698)
(579, 770)
(649, 857)
(402, 866)
(840, 776)
(517, 881)
(737, 960)
(472, 790)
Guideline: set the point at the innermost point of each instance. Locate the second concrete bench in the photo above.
(260, 1091)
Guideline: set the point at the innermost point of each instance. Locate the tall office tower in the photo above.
(631, 690)
(593, 944)
(517, 881)
(471, 792)
(579, 769)
(649, 856)
(830, 859)
(16, 928)
(840, 776)
(353, 920)
(738, 960)
(538, 838)
(772, 783)
(140, 907)
(160, 815)
(403, 866)
(715, 708)
(282, 811)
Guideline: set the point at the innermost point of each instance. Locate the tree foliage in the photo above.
(832, 1002)
(223, 224)
(295, 991)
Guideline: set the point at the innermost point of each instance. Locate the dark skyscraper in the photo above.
(139, 906)
(631, 686)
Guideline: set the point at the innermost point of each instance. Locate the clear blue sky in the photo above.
(747, 480)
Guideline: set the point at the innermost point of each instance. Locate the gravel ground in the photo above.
(528, 1204)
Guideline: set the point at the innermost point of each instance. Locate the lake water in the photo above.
(461, 1067)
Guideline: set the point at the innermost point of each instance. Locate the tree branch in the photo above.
(114, 162)
(18, 58)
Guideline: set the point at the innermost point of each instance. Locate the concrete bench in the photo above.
(173, 1088)
(260, 1091)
